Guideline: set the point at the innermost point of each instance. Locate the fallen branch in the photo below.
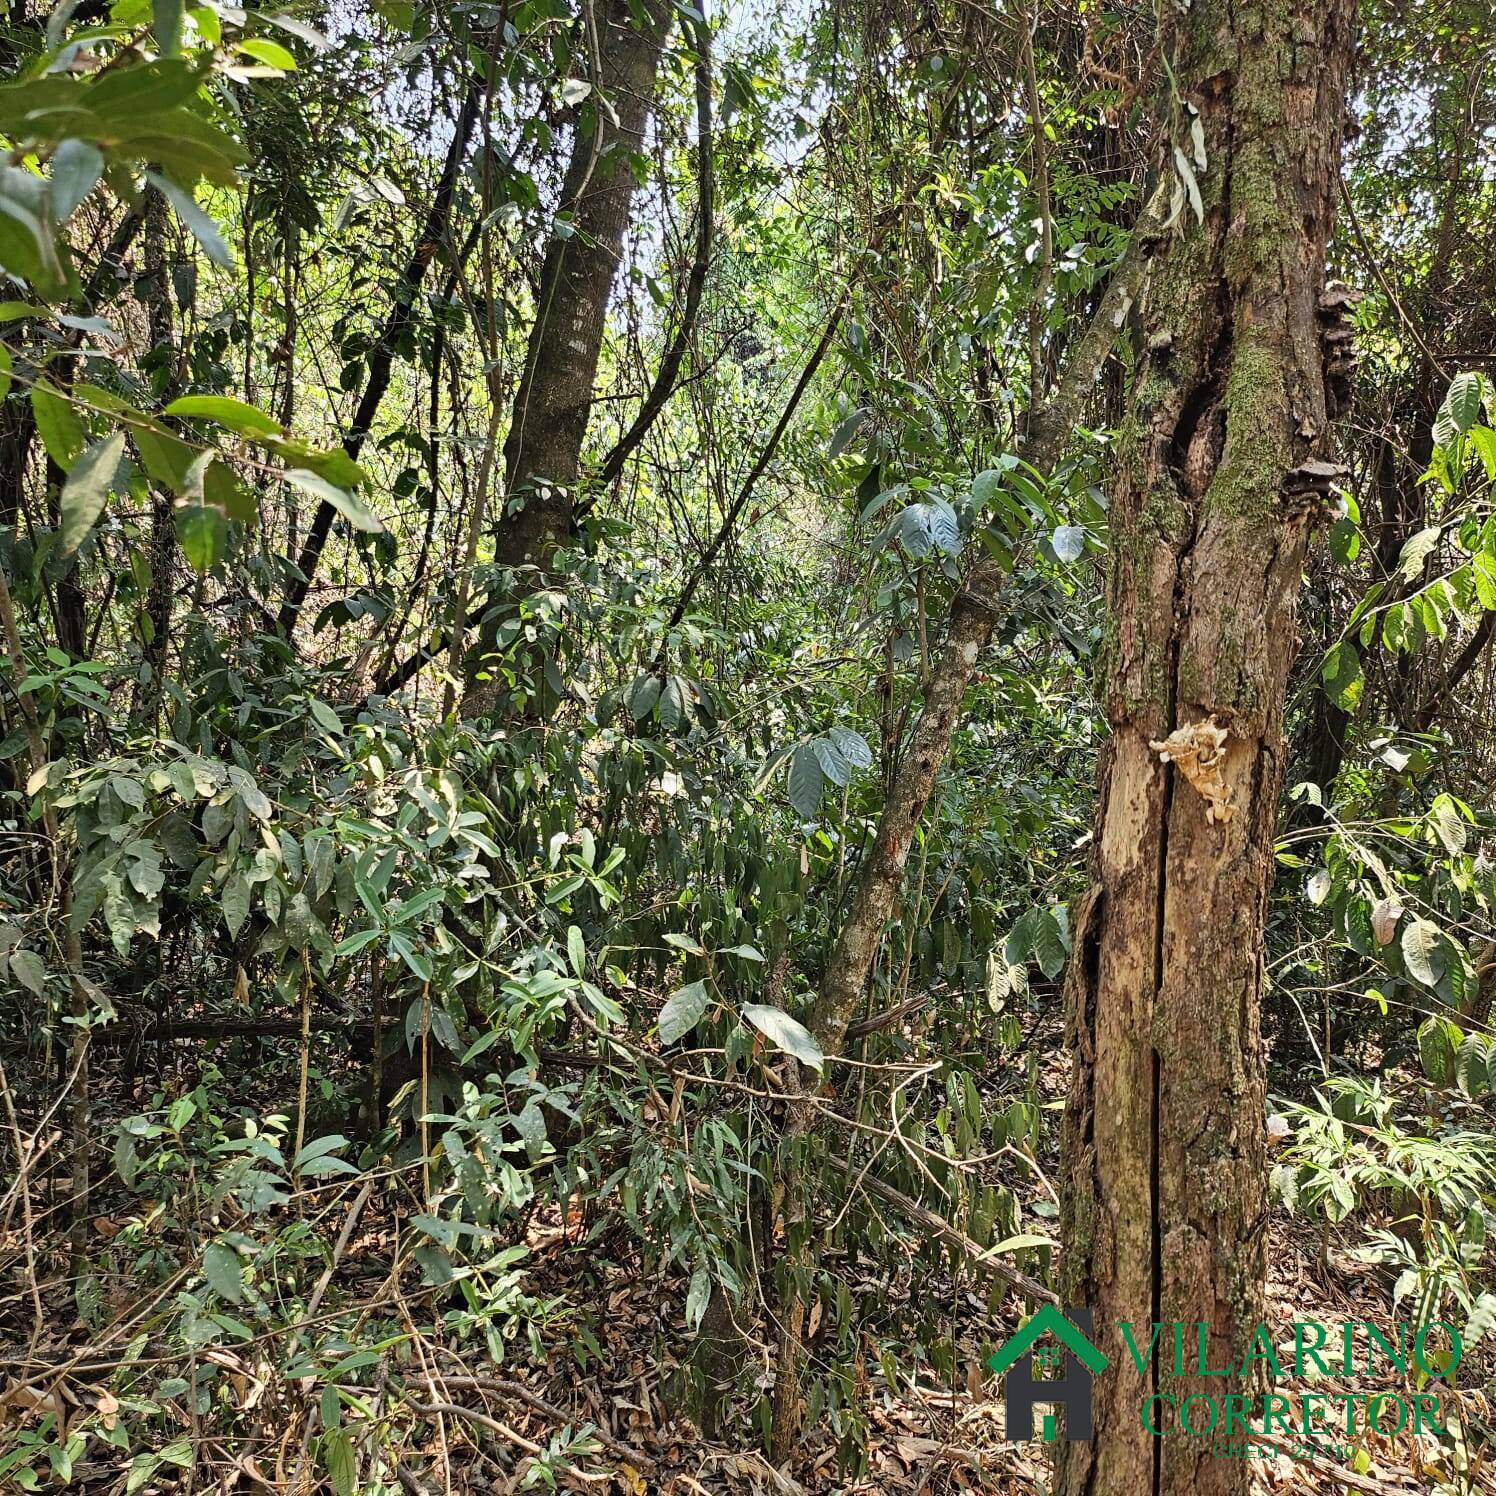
(980, 1257)
(503, 1387)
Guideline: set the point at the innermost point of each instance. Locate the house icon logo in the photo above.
(1071, 1390)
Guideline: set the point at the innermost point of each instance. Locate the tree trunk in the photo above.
(156, 620)
(542, 453)
(1165, 1127)
(543, 450)
(973, 615)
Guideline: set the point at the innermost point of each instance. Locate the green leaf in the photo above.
(576, 950)
(844, 433)
(1416, 550)
(1421, 950)
(643, 695)
(76, 168)
(785, 1033)
(86, 489)
(235, 901)
(682, 1012)
(57, 424)
(27, 968)
(337, 1454)
(805, 781)
(166, 22)
(1436, 1052)
(1482, 1320)
(204, 230)
(272, 54)
(203, 533)
(1472, 1066)
(221, 1269)
(222, 410)
(836, 769)
(1049, 945)
(29, 244)
(1461, 408)
(1449, 824)
(1342, 676)
(698, 1296)
(324, 716)
(852, 746)
(351, 508)
(1021, 1243)
(1069, 542)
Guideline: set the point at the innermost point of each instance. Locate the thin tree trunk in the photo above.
(382, 356)
(665, 376)
(1164, 1190)
(973, 616)
(156, 621)
(543, 450)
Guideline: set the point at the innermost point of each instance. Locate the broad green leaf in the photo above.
(1421, 951)
(1472, 1066)
(223, 410)
(166, 22)
(1049, 945)
(1416, 550)
(1482, 1320)
(836, 769)
(30, 247)
(1069, 542)
(844, 433)
(203, 533)
(76, 167)
(1342, 676)
(785, 1033)
(698, 1296)
(27, 968)
(852, 746)
(272, 54)
(235, 901)
(1460, 409)
(221, 1269)
(643, 695)
(57, 424)
(342, 1468)
(350, 507)
(805, 781)
(682, 1012)
(86, 489)
(324, 716)
(1449, 824)
(1436, 1052)
(204, 230)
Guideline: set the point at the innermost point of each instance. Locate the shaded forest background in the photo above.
(554, 576)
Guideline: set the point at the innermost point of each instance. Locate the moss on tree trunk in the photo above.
(1165, 1150)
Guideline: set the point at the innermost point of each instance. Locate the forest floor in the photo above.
(929, 1435)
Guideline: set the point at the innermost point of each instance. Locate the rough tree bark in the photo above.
(543, 450)
(1164, 1190)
